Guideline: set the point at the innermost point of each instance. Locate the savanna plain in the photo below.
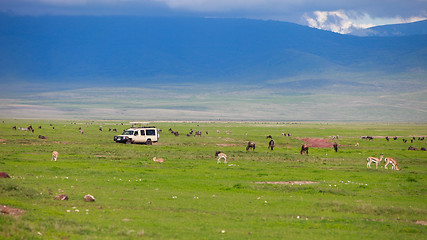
(260, 194)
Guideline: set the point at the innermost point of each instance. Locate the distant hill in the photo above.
(145, 50)
(393, 30)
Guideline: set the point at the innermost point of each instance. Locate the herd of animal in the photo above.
(251, 145)
(222, 156)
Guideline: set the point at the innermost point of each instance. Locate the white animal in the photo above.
(55, 155)
(375, 160)
(158, 159)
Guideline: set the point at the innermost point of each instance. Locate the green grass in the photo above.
(190, 196)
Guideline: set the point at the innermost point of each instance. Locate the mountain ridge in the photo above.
(190, 49)
(393, 30)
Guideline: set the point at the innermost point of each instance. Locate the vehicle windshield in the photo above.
(129, 132)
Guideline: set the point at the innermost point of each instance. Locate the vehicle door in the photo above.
(143, 138)
(136, 138)
(151, 134)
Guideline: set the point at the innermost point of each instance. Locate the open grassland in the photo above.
(190, 196)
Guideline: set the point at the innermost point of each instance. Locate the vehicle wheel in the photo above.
(128, 142)
(149, 142)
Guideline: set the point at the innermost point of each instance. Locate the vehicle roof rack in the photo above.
(143, 126)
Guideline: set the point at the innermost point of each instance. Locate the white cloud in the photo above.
(344, 22)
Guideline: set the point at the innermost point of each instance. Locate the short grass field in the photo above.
(191, 196)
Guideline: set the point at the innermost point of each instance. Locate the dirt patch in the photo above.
(317, 142)
(424, 223)
(2, 140)
(287, 182)
(226, 145)
(5, 210)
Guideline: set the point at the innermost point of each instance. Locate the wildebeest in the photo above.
(367, 137)
(42, 137)
(412, 148)
(304, 148)
(198, 133)
(271, 144)
(335, 146)
(220, 155)
(250, 145)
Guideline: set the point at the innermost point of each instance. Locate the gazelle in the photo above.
(392, 162)
(89, 198)
(158, 159)
(375, 160)
(221, 155)
(55, 155)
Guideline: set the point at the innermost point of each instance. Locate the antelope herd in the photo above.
(387, 161)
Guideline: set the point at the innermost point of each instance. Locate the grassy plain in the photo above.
(190, 196)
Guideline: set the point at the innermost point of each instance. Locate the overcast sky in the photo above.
(335, 15)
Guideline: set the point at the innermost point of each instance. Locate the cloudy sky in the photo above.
(336, 15)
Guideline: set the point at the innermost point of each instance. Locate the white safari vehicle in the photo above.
(146, 135)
